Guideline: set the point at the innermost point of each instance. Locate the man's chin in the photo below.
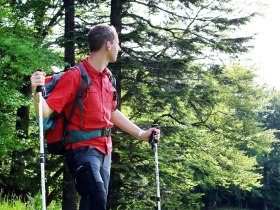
(113, 60)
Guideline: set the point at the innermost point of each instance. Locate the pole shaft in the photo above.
(157, 176)
(42, 154)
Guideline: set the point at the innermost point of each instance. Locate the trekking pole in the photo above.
(154, 145)
(42, 153)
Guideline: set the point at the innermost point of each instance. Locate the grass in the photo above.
(33, 203)
(231, 209)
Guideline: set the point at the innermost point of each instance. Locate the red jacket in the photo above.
(98, 104)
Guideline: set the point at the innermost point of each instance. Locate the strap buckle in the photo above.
(106, 132)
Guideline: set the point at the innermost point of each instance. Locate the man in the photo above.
(89, 161)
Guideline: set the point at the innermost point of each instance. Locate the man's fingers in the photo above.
(37, 79)
(157, 133)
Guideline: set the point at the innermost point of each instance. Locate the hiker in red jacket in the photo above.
(89, 160)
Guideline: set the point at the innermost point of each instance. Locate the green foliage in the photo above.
(271, 162)
(213, 139)
(33, 203)
(20, 54)
(16, 66)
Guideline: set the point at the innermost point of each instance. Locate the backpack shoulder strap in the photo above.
(78, 100)
(49, 86)
(114, 84)
(112, 78)
(84, 75)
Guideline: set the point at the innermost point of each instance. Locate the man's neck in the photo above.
(97, 61)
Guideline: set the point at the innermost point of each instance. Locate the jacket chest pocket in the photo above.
(92, 101)
(108, 94)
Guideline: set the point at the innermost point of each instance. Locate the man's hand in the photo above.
(37, 79)
(146, 135)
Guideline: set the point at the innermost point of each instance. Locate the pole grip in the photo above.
(152, 139)
(39, 88)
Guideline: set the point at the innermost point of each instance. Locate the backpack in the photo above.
(55, 126)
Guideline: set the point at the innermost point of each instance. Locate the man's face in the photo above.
(114, 48)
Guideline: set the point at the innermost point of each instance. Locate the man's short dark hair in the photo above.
(100, 34)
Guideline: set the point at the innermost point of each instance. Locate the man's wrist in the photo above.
(140, 133)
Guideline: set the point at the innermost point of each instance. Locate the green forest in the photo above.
(180, 68)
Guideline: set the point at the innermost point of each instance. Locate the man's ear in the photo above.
(108, 45)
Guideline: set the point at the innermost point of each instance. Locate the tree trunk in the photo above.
(22, 123)
(69, 36)
(18, 165)
(39, 14)
(115, 181)
(69, 201)
(116, 20)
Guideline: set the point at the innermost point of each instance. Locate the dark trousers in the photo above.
(91, 171)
